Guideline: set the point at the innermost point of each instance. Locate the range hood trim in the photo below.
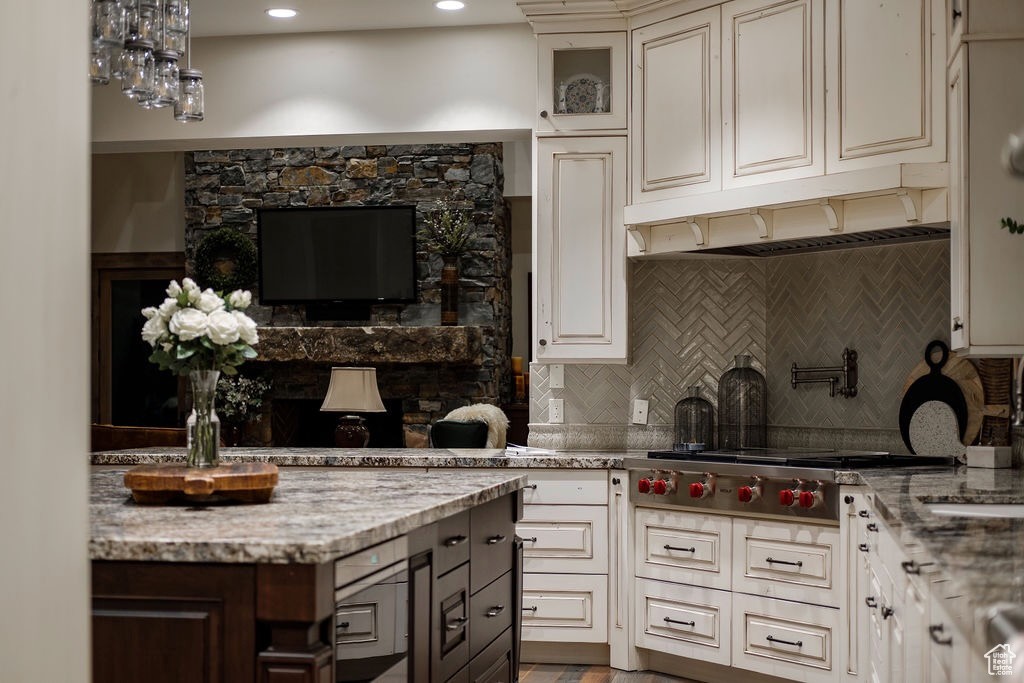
(915, 197)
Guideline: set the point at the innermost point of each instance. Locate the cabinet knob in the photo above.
(543, 342)
(848, 499)
(957, 325)
(615, 481)
(543, 113)
(957, 14)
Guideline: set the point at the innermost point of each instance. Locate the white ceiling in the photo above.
(248, 17)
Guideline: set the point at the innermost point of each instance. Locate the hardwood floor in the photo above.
(565, 673)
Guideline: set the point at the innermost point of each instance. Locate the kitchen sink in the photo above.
(989, 510)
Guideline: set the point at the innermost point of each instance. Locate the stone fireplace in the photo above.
(423, 369)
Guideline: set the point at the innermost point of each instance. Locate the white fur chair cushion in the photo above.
(497, 421)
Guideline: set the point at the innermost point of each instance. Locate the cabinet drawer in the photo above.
(494, 664)
(786, 561)
(490, 613)
(491, 530)
(565, 608)
(785, 639)
(452, 542)
(683, 620)
(560, 487)
(564, 538)
(683, 547)
(365, 627)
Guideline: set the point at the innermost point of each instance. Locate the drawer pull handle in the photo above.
(455, 540)
(682, 550)
(870, 602)
(872, 527)
(912, 567)
(456, 624)
(773, 639)
(495, 539)
(530, 609)
(531, 486)
(934, 632)
(342, 624)
(886, 612)
(495, 611)
(798, 563)
(676, 621)
(531, 539)
(863, 513)
(863, 547)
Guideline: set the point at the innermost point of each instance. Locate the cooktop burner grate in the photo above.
(802, 458)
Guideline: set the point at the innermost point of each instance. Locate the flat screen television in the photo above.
(349, 254)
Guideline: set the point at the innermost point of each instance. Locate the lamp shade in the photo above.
(353, 390)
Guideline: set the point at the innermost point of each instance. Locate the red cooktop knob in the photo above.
(644, 486)
(786, 497)
(696, 490)
(745, 493)
(660, 486)
(806, 499)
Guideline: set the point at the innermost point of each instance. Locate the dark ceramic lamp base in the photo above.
(351, 432)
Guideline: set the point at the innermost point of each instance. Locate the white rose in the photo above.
(189, 285)
(148, 312)
(209, 302)
(246, 328)
(240, 299)
(173, 289)
(154, 330)
(222, 328)
(188, 323)
(168, 308)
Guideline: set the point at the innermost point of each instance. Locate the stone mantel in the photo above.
(407, 345)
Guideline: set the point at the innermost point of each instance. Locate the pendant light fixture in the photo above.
(141, 43)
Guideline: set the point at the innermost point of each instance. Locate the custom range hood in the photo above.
(889, 205)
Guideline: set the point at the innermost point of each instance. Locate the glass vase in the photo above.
(742, 407)
(694, 422)
(203, 425)
(450, 290)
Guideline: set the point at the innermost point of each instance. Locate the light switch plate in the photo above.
(555, 414)
(556, 376)
(639, 411)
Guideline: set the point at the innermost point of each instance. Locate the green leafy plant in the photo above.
(447, 229)
(240, 399)
(1013, 226)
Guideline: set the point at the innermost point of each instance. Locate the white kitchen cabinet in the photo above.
(564, 538)
(885, 75)
(690, 622)
(579, 269)
(677, 117)
(773, 91)
(853, 585)
(581, 82)
(986, 105)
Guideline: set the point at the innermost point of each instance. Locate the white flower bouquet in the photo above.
(196, 329)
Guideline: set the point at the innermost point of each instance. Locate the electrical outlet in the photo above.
(555, 414)
(556, 376)
(639, 411)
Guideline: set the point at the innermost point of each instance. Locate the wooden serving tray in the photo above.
(240, 482)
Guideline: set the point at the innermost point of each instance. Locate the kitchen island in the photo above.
(248, 592)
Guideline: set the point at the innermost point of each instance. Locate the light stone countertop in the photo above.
(313, 516)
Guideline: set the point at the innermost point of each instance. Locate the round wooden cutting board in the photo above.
(963, 372)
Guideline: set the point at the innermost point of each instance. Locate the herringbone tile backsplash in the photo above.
(691, 317)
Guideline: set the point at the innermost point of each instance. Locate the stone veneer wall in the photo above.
(690, 317)
(228, 187)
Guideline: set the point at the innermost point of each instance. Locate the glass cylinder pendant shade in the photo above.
(175, 16)
(742, 407)
(148, 27)
(189, 106)
(166, 79)
(138, 69)
(694, 422)
(108, 22)
(100, 64)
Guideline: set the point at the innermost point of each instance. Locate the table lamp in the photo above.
(352, 390)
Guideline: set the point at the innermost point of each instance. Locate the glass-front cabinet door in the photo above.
(581, 82)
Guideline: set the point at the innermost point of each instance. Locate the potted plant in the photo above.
(240, 402)
(447, 230)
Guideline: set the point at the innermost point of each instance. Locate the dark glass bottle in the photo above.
(742, 407)
(694, 422)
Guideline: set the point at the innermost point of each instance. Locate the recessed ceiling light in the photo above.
(449, 4)
(281, 13)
